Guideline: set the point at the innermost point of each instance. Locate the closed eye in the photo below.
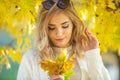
(51, 28)
(65, 26)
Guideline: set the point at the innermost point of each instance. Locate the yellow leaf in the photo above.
(61, 64)
(8, 65)
(63, 55)
(15, 55)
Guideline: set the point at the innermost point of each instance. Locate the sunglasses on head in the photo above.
(62, 4)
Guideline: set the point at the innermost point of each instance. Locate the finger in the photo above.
(90, 36)
(84, 44)
(56, 77)
(61, 77)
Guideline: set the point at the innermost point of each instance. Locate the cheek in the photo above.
(51, 35)
(69, 32)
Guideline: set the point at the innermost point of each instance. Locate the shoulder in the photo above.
(29, 59)
(90, 56)
(30, 55)
(27, 65)
(93, 53)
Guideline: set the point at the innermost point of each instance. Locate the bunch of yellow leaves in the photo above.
(62, 65)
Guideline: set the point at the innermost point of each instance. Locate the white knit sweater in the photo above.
(91, 67)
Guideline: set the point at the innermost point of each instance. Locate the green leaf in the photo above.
(63, 56)
(68, 74)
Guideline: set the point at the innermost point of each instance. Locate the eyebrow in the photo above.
(64, 22)
(61, 23)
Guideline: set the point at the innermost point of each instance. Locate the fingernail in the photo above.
(87, 31)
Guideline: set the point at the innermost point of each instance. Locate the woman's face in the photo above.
(60, 30)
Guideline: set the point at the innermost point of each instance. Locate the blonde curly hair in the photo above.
(43, 43)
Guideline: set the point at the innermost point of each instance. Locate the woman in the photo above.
(60, 27)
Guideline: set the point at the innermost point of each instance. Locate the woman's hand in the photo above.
(91, 43)
(57, 77)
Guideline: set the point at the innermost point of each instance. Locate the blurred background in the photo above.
(18, 19)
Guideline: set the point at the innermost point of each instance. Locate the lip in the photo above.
(60, 39)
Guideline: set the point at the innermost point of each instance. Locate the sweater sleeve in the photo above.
(96, 68)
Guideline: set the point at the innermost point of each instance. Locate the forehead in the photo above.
(58, 18)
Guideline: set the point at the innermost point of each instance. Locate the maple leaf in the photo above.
(62, 65)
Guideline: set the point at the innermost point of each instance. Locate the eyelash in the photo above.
(51, 28)
(62, 27)
(65, 26)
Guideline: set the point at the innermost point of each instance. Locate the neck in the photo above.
(57, 50)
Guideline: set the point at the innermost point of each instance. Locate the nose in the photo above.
(59, 32)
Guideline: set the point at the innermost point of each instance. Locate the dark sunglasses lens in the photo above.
(63, 3)
(48, 4)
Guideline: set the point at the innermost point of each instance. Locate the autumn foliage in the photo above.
(19, 18)
(61, 66)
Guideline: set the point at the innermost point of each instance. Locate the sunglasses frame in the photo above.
(62, 4)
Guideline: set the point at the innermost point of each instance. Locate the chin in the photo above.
(61, 46)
